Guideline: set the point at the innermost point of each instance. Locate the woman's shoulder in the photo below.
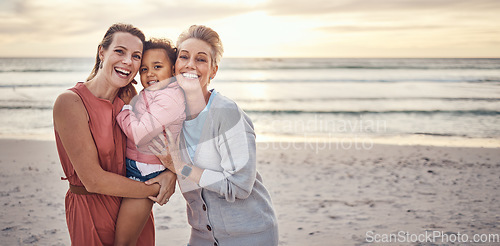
(221, 101)
(227, 111)
(67, 98)
(71, 96)
(69, 107)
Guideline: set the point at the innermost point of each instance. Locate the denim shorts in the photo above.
(134, 173)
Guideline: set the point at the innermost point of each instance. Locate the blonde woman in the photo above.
(227, 203)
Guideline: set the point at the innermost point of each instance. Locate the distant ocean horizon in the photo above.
(302, 98)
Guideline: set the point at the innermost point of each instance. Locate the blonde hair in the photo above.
(108, 39)
(206, 34)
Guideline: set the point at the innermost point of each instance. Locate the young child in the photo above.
(159, 105)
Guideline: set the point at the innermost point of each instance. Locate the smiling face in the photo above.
(121, 61)
(155, 66)
(194, 62)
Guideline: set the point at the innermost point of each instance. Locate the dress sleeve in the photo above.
(164, 109)
(237, 148)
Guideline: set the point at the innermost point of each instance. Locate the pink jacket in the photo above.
(153, 110)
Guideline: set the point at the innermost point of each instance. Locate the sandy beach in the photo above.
(322, 196)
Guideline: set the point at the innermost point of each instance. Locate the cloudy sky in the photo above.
(262, 28)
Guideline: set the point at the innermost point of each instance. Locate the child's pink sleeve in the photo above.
(165, 107)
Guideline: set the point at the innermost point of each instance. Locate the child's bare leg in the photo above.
(133, 215)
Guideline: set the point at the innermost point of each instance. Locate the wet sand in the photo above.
(322, 196)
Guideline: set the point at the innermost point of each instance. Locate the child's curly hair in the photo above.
(162, 43)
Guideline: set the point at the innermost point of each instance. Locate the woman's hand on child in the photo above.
(167, 181)
(168, 152)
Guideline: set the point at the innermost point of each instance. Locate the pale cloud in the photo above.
(371, 28)
(74, 28)
(315, 7)
(261, 28)
(51, 19)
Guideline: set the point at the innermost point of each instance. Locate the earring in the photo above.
(100, 64)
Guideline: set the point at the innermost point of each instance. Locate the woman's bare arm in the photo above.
(71, 123)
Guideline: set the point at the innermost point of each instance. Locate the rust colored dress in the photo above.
(92, 218)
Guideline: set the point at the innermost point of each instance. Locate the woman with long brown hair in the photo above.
(91, 145)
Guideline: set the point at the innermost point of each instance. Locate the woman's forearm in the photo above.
(113, 184)
(71, 124)
(195, 103)
(194, 171)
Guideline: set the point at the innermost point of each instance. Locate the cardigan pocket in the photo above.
(193, 216)
(243, 216)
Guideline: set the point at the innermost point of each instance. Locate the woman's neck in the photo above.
(101, 89)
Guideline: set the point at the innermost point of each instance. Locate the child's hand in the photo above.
(189, 85)
(128, 92)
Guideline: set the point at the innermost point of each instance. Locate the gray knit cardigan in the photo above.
(230, 206)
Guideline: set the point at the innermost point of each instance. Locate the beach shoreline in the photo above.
(320, 195)
(346, 142)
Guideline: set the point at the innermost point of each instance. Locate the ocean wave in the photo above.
(440, 134)
(362, 63)
(20, 107)
(249, 67)
(340, 80)
(22, 65)
(360, 112)
(357, 67)
(322, 112)
(46, 70)
(36, 85)
(337, 99)
(280, 81)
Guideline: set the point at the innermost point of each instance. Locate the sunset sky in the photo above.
(262, 28)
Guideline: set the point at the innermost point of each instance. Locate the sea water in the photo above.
(301, 98)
